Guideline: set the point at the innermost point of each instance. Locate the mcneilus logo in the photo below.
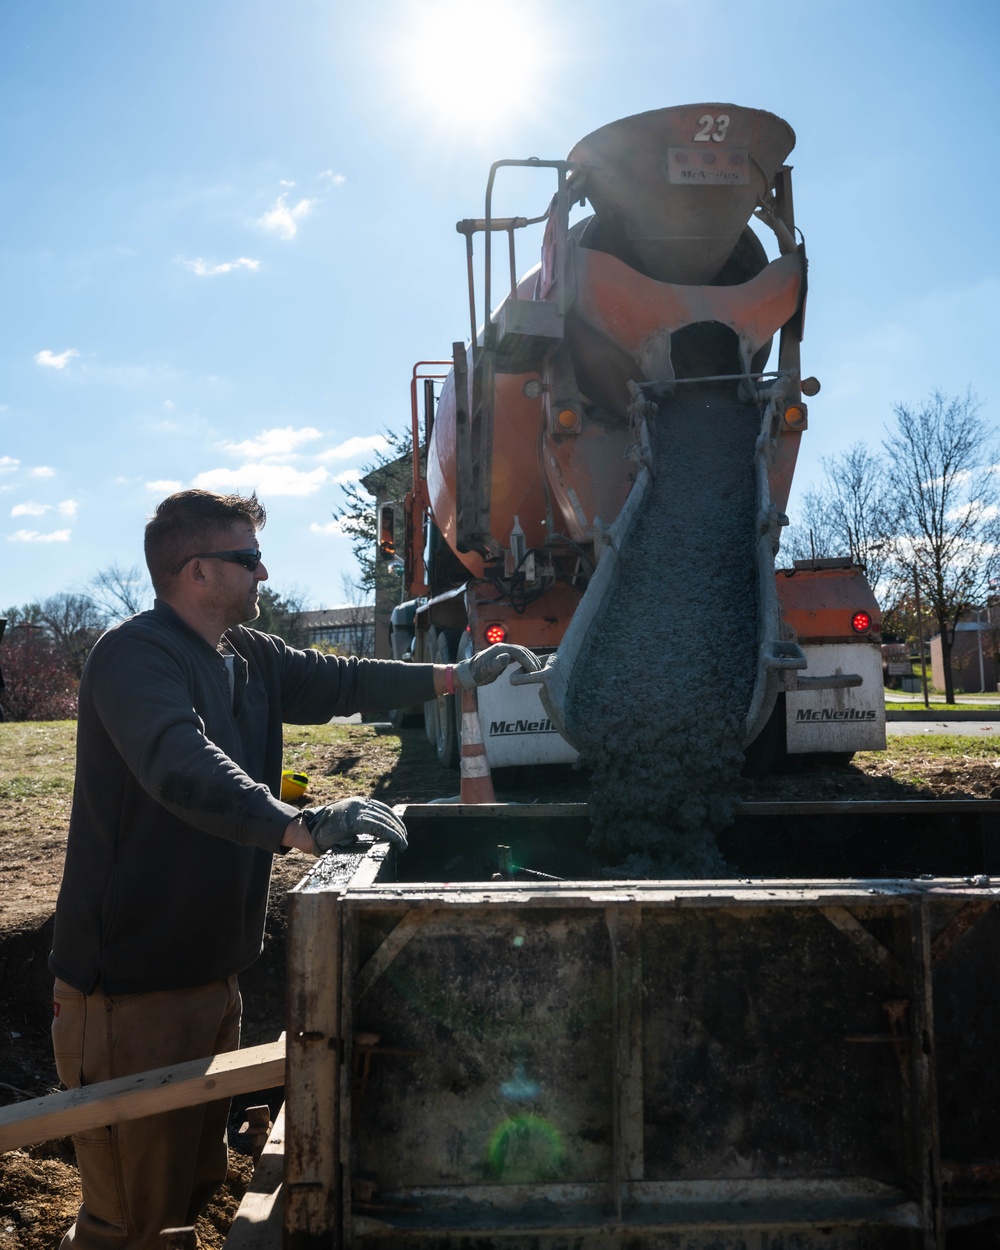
(829, 713)
(498, 728)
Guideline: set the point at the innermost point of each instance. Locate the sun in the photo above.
(467, 67)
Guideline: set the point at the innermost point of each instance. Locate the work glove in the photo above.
(339, 824)
(487, 666)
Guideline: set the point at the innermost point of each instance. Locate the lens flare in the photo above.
(525, 1148)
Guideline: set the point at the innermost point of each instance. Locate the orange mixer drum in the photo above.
(672, 191)
(516, 482)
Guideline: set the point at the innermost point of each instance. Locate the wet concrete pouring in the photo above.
(658, 698)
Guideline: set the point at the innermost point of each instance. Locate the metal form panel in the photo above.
(643, 1063)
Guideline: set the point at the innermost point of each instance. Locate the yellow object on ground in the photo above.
(293, 785)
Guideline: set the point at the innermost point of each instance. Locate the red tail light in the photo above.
(861, 622)
(494, 634)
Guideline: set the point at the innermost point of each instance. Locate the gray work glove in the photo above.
(487, 666)
(339, 824)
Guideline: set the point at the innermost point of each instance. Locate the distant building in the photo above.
(351, 629)
(973, 655)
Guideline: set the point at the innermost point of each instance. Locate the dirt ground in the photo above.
(39, 1190)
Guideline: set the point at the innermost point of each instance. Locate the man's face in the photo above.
(235, 587)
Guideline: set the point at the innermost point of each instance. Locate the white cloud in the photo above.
(338, 180)
(205, 270)
(330, 529)
(51, 361)
(348, 475)
(973, 511)
(266, 479)
(270, 443)
(30, 509)
(33, 536)
(8, 464)
(42, 470)
(287, 182)
(357, 446)
(164, 486)
(284, 218)
(961, 478)
(68, 507)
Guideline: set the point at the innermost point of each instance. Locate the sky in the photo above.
(229, 230)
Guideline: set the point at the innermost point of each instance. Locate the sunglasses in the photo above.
(249, 557)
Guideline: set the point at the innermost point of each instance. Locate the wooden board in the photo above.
(257, 1225)
(142, 1094)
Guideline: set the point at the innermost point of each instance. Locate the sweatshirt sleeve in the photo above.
(315, 687)
(141, 694)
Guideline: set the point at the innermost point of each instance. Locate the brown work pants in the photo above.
(159, 1172)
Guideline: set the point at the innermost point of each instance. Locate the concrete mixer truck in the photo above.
(547, 1026)
(626, 395)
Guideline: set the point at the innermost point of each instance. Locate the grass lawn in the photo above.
(917, 705)
(950, 749)
(37, 760)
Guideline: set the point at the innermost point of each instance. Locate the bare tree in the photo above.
(812, 536)
(942, 477)
(74, 623)
(23, 614)
(852, 514)
(119, 592)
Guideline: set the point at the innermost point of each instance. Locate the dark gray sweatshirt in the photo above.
(174, 819)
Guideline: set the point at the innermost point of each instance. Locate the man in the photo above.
(174, 824)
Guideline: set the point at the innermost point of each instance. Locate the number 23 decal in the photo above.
(720, 124)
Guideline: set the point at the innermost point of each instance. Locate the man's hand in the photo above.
(339, 824)
(487, 666)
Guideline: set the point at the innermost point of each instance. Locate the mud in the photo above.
(658, 698)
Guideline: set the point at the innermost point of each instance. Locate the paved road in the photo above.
(970, 728)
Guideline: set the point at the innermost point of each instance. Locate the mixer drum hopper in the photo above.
(674, 188)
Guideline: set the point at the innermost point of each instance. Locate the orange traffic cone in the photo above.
(477, 781)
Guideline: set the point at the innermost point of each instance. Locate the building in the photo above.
(351, 630)
(973, 656)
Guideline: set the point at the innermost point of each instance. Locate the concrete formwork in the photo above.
(637, 1063)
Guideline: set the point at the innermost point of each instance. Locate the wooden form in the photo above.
(144, 1093)
(513, 1062)
(257, 1225)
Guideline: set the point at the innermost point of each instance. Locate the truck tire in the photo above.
(400, 642)
(464, 651)
(430, 707)
(445, 736)
(403, 717)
